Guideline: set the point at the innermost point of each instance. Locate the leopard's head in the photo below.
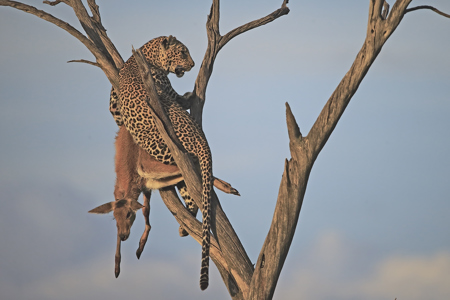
(169, 54)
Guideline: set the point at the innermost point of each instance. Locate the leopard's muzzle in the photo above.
(180, 70)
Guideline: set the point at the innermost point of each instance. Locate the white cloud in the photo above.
(412, 277)
(328, 272)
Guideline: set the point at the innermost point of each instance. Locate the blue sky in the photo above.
(374, 223)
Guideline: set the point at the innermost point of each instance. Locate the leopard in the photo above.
(163, 86)
(166, 55)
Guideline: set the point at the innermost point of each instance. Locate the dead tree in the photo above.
(242, 279)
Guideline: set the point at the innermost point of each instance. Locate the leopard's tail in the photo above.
(206, 168)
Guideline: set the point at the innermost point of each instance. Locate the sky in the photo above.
(375, 218)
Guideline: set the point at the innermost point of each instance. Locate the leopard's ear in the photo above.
(172, 40)
(165, 43)
(163, 47)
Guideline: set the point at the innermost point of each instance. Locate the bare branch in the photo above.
(214, 17)
(215, 43)
(427, 7)
(95, 10)
(107, 43)
(378, 7)
(295, 136)
(96, 31)
(53, 3)
(284, 10)
(378, 31)
(85, 61)
(293, 129)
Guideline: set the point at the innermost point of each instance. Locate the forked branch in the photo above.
(304, 150)
(215, 43)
